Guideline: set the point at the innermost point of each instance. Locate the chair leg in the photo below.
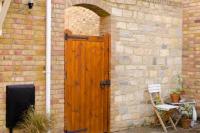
(177, 121)
(170, 119)
(161, 121)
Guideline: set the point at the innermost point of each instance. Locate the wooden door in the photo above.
(86, 96)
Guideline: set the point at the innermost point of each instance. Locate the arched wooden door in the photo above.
(87, 84)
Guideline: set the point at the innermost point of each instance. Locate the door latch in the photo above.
(104, 84)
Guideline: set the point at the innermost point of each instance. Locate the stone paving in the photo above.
(159, 130)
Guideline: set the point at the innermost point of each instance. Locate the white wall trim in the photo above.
(48, 56)
(3, 12)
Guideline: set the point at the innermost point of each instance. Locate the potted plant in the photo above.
(186, 111)
(178, 90)
(181, 85)
(34, 122)
(175, 95)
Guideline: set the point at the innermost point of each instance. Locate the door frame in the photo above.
(69, 33)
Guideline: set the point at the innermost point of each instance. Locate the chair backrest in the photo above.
(154, 88)
(155, 93)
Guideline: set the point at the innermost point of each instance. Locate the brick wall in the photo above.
(82, 21)
(57, 90)
(146, 48)
(191, 47)
(22, 52)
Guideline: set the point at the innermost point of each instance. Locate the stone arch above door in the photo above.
(82, 21)
(98, 6)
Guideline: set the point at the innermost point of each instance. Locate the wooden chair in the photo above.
(155, 91)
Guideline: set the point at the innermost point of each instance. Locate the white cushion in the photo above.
(166, 107)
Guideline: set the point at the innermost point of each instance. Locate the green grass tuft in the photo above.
(35, 123)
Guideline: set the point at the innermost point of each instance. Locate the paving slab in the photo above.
(159, 130)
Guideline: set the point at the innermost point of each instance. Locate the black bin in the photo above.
(18, 99)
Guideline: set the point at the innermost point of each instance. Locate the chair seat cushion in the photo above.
(166, 107)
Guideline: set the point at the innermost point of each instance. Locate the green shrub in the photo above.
(186, 110)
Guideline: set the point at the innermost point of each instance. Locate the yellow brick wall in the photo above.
(57, 90)
(191, 48)
(22, 52)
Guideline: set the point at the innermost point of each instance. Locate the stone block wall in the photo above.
(82, 21)
(146, 49)
(22, 52)
(191, 48)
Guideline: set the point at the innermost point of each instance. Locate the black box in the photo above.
(18, 99)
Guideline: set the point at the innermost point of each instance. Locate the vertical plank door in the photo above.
(86, 99)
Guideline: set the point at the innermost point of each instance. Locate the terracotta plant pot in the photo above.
(175, 97)
(186, 123)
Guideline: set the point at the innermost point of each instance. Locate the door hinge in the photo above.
(84, 130)
(65, 36)
(76, 37)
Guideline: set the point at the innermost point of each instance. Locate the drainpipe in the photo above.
(48, 56)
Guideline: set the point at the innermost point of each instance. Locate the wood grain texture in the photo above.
(86, 65)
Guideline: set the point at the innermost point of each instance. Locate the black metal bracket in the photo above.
(104, 84)
(77, 131)
(11, 130)
(75, 37)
